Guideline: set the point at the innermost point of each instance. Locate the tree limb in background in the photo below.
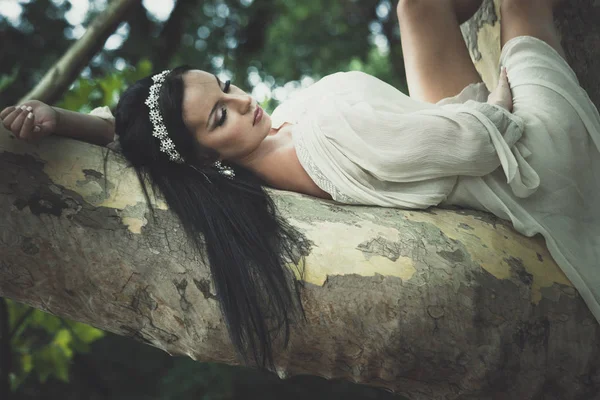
(67, 69)
(137, 45)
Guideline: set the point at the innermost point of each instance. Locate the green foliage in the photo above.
(34, 43)
(87, 94)
(44, 345)
(281, 40)
(7, 80)
(379, 65)
(316, 37)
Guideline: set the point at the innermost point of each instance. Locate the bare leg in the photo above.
(530, 18)
(436, 58)
(465, 9)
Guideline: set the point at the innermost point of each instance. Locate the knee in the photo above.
(402, 4)
(523, 8)
(463, 9)
(514, 5)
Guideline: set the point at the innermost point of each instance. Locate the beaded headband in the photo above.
(160, 130)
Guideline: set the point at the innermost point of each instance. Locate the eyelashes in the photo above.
(223, 117)
(224, 110)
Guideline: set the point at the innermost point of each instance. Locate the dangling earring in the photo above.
(224, 170)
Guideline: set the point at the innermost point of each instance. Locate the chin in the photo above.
(267, 120)
(267, 124)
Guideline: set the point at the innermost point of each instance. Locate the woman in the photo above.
(357, 140)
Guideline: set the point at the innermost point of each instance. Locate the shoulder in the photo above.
(300, 179)
(285, 172)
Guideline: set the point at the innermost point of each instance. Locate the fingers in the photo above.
(17, 124)
(8, 118)
(7, 111)
(27, 127)
(20, 121)
(503, 80)
(12, 117)
(503, 77)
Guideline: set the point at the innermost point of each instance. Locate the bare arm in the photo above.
(34, 120)
(87, 128)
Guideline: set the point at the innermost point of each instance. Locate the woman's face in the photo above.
(222, 118)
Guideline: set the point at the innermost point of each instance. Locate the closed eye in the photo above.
(224, 110)
(223, 117)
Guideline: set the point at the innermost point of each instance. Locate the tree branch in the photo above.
(137, 45)
(67, 69)
(417, 302)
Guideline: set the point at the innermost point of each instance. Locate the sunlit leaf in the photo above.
(26, 363)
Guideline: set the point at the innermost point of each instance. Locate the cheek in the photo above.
(235, 136)
(234, 141)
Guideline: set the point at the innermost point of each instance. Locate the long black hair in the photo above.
(233, 221)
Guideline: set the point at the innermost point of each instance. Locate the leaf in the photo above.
(111, 85)
(16, 312)
(7, 80)
(87, 94)
(26, 363)
(63, 340)
(86, 333)
(46, 344)
(51, 361)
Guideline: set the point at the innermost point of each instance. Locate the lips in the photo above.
(258, 114)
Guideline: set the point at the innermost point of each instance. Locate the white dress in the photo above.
(365, 142)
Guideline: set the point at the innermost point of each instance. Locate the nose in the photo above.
(242, 101)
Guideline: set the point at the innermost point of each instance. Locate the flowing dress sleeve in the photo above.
(375, 145)
(470, 139)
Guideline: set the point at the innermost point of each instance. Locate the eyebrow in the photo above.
(216, 104)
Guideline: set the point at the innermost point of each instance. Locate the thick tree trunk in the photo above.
(438, 304)
(56, 81)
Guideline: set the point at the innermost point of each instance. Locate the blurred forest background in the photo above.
(267, 47)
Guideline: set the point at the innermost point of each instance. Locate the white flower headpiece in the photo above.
(160, 130)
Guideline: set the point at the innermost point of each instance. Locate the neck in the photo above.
(264, 158)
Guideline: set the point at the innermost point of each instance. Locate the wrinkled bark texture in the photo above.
(437, 304)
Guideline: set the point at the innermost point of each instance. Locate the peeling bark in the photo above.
(437, 304)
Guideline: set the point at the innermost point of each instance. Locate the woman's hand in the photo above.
(30, 121)
(502, 95)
